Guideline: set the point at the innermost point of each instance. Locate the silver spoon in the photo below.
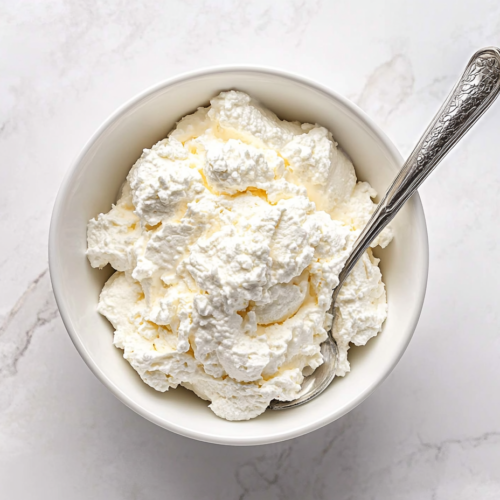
(471, 97)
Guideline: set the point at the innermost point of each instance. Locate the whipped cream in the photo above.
(228, 238)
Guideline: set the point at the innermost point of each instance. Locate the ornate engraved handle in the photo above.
(473, 94)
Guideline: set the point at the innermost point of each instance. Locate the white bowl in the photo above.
(92, 184)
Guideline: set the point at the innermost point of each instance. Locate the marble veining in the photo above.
(35, 308)
(387, 88)
(431, 431)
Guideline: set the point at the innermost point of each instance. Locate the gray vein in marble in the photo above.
(387, 87)
(296, 469)
(300, 19)
(425, 454)
(439, 448)
(438, 88)
(35, 308)
(262, 474)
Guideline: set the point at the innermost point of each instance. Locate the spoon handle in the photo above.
(471, 97)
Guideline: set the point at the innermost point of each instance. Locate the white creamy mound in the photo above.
(227, 239)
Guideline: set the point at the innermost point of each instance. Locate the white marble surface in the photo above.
(431, 431)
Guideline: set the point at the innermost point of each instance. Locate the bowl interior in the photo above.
(93, 183)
